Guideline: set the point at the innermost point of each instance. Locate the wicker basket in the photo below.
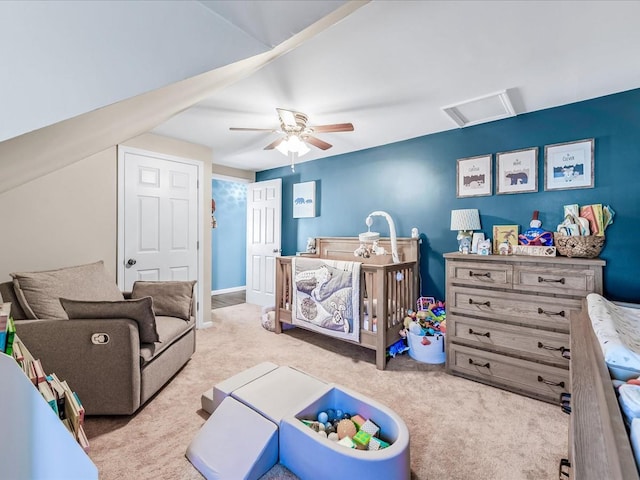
(588, 246)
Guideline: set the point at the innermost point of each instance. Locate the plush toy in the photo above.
(535, 235)
(484, 247)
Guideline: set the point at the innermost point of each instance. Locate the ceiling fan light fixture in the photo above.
(297, 145)
(293, 144)
(283, 147)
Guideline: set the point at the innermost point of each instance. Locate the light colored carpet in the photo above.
(459, 429)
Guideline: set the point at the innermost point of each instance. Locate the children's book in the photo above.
(5, 309)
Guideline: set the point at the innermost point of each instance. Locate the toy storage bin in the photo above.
(309, 455)
(433, 353)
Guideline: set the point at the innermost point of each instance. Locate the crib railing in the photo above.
(391, 288)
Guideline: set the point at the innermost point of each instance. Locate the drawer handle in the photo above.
(473, 274)
(547, 347)
(546, 312)
(565, 402)
(486, 304)
(565, 464)
(484, 365)
(566, 353)
(485, 334)
(553, 384)
(551, 280)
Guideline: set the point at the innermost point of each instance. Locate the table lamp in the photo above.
(465, 221)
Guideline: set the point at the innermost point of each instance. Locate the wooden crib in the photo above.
(391, 289)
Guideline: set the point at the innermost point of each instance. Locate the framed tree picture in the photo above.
(474, 176)
(517, 171)
(569, 165)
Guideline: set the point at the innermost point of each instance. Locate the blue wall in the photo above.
(229, 238)
(414, 181)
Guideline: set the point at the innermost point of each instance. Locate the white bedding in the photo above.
(617, 329)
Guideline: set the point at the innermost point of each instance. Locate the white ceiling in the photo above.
(390, 67)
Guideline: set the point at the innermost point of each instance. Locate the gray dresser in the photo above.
(508, 319)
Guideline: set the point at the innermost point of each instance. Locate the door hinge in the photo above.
(197, 244)
(197, 306)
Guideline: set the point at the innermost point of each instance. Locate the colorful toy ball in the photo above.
(339, 413)
(331, 414)
(333, 436)
(323, 417)
(346, 428)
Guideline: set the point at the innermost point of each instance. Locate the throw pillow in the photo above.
(170, 298)
(39, 292)
(140, 310)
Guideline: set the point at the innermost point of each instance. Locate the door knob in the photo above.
(131, 262)
(276, 250)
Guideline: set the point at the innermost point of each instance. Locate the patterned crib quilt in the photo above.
(617, 329)
(326, 296)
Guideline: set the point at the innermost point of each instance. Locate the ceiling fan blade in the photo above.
(335, 127)
(274, 144)
(248, 129)
(287, 117)
(316, 142)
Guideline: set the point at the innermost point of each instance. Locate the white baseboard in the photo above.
(229, 290)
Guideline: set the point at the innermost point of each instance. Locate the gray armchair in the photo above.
(103, 359)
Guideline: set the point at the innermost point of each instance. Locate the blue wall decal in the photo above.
(415, 182)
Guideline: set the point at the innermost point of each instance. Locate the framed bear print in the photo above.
(517, 171)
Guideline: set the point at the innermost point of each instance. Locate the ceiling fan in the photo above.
(293, 125)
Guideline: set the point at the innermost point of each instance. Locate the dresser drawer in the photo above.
(554, 280)
(480, 274)
(541, 381)
(515, 340)
(533, 310)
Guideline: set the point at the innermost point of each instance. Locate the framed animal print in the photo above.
(569, 165)
(517, 171)
(304, 199)
(474, 176)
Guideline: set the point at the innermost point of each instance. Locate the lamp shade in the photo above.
(465, 219)
(293, 144)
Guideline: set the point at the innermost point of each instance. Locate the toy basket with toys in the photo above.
(425, 331)
(581, 246)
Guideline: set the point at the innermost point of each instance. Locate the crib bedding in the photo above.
(326, 296)
(617, 329)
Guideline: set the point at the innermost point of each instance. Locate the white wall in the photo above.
(64, 58)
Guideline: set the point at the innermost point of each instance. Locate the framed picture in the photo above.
(474, 176)
(304, 199)
(517, 171)
(504, 233)
(569, 165)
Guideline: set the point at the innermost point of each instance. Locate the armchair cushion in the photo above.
(170, 298)
(140, 310)
(39, 292)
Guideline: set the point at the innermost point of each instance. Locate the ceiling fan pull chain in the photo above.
(293, 157)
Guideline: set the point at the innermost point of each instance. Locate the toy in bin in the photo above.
(351, 431)
(425, 331)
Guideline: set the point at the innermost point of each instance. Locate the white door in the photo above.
(264, 223)
(158, 218)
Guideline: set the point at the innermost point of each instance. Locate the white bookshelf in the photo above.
(34, 443)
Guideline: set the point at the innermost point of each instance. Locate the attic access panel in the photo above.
(488, 108)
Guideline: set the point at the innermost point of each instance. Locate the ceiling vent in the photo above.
(484, 109)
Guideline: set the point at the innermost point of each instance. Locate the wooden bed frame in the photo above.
(599, 445)
(393, 287)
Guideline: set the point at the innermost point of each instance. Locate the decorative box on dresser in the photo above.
(508, 319)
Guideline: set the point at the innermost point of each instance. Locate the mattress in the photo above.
(617, 328)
